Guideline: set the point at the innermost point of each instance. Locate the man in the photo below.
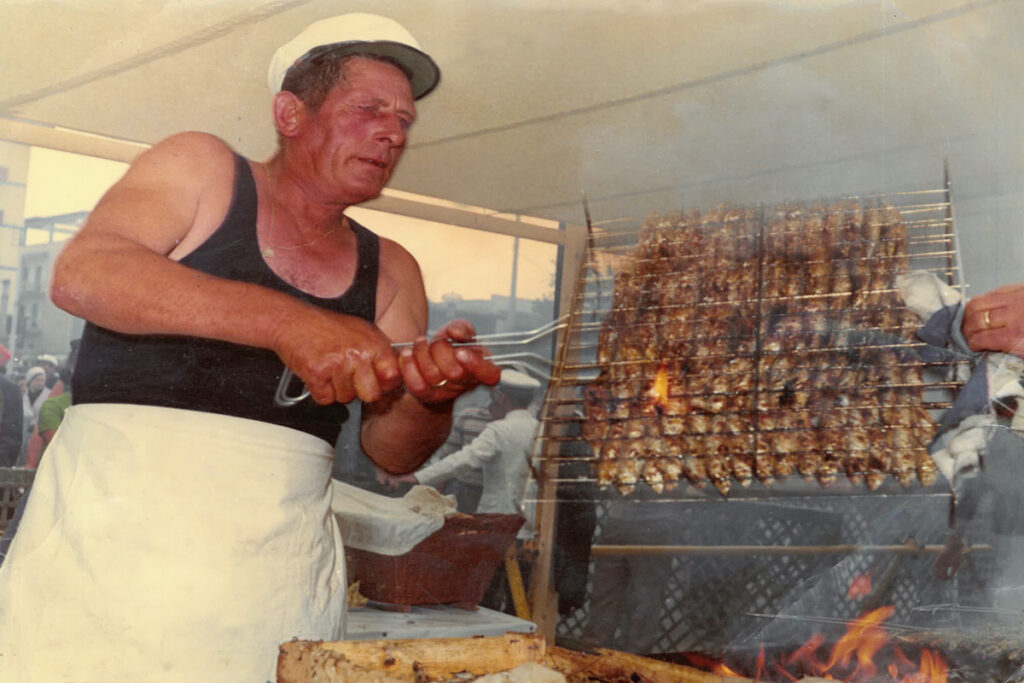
(179, 527)
(501, 452)
(468, 423)
(11, 415)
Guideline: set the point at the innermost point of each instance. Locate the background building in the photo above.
(43, 327)
(13, 181)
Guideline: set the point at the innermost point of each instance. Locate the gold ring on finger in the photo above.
(987, 320)
(440, 384)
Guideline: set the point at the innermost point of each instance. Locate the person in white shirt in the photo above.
(501, 452)
(36, 392)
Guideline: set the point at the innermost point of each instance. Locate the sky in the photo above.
(60, 182)
(470, 263)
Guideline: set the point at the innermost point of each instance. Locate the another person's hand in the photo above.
(435, 371)
(994, 321)
(339, 357)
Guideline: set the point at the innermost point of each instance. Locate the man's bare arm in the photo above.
(402, 430)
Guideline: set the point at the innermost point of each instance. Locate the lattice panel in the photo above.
(713, 603)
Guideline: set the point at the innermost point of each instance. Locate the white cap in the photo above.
(357, 33)
(47, 358)
(513, 379)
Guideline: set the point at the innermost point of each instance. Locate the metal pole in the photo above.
(906, 548)
(512, 288)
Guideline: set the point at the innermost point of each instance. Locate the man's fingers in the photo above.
(414, 380)
(435, 361)
(457, 330)
(447, 360)
(322, 393)
(388, 372)
(474, 360)
(365, 384)
(1001, 338)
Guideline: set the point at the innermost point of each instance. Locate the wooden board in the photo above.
(415, 661)
(433, 660)
(611, 666)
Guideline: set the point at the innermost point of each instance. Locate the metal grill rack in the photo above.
(759, 363)
(810, 536)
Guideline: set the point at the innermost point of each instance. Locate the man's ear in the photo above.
(289, 112)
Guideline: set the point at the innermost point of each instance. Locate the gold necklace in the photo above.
(270, 249)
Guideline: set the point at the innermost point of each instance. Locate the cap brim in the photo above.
(425, 74)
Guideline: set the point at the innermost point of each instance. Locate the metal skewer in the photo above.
(505, 338)
(522, 360)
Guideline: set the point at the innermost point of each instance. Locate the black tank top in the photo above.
(214, 376)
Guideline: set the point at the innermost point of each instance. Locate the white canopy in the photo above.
(642, 104)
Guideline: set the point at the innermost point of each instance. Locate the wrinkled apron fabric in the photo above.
(168, 545)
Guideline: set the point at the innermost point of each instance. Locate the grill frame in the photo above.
(932, 245)
(562, 470)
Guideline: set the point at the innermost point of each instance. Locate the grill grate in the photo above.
(757, 347)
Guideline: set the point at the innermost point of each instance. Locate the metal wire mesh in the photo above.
(714, 604)
(738, 366)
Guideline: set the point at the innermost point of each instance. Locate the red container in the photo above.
(452, 565)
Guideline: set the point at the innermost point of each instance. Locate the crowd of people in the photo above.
(34, 393)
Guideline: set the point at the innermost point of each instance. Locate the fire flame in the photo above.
(862, 640)
(860, 587)
(659, 390)
(857, 657)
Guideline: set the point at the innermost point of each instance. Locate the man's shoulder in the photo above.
(521, 418)
(397, 264)
(522, 414)
(196, 141)
(192, 152)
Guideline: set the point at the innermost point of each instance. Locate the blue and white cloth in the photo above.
(991, 380)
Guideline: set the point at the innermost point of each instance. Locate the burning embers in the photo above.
(743, 346)
(866, 652)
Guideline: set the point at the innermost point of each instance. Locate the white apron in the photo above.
(169, 545)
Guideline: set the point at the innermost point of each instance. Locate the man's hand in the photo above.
(994, 321)
(339, 357)
(400, 431)
(434, 371)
